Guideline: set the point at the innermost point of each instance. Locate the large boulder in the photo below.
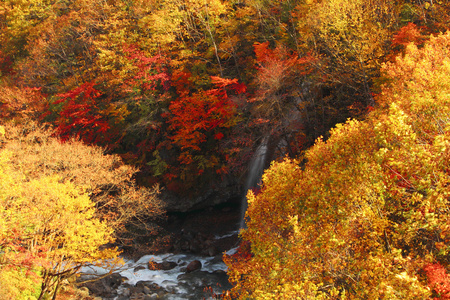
(193, 266)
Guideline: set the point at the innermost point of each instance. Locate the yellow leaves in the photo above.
(59, 215)
(62, 218)
(18, 284)
(177, 19)
(47, 190)
(421, 78)
(351, 37)
(47, 222)
(353, 26)
(370, 205)
(395, 128)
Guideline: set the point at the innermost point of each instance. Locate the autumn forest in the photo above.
(105, 103)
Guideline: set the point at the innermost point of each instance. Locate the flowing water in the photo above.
(174, 283)
(255, 172)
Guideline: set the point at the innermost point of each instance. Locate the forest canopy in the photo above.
(186, 90)
(108, 100)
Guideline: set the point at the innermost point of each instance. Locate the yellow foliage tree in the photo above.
(181, 25)
(353, 36)
(60, 205)
(19, 18)
(48, 226)
(108, 181)
(369, 209)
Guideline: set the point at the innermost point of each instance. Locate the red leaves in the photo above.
(232, 84)
(438, 280)
(281, 57)
(278, 71)
(219, 136)
(244, 251)
(80, 114)
(263, 53)
(180, 80)
(86, 89)
(274, 67)
(406, 35)
(6, 64)
(151, 71)
(194, 115)
(198, 122)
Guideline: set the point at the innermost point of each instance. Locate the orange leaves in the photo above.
(278, 67)
(21, 103)
(5, 64)
(188, 120)
(420, 84)
(180, 80)
(279, 98)
(406, 35)
(233, 84)
(263, 53)
(193, 117)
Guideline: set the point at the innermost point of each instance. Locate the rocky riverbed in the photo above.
(189, 266)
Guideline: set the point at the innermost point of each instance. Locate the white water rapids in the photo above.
(177, 284)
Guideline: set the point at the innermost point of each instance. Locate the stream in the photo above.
(169, 276)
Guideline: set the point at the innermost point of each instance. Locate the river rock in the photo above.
(139, 268)
(194, 246)
(198, 282)
(193, 266)
(187, 234)
(185, 246)
(105, 287)
(165, 265)
(141, 289)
